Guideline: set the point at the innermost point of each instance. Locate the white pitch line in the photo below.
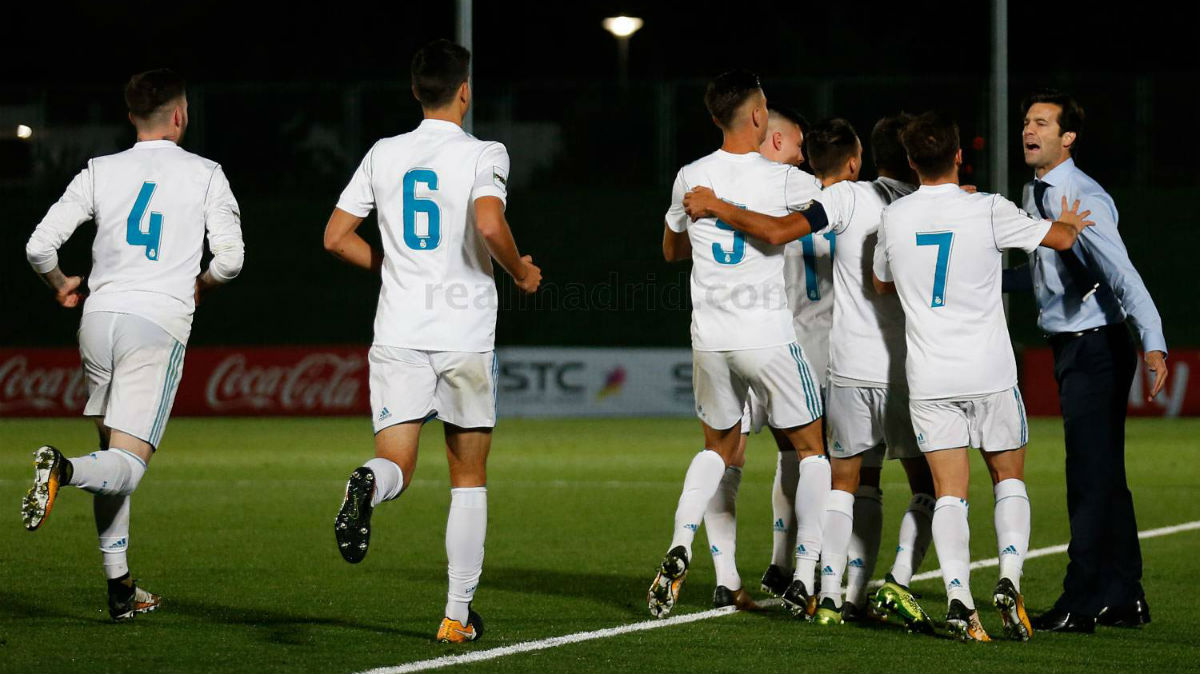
(578, 637)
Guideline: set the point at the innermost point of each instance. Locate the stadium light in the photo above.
(24, 132)
(622, 26)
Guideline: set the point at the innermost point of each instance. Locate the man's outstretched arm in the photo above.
(702, 202)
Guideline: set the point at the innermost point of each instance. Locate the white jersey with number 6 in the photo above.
(152, 205)
(438, 292)
(942, 248)
(738, 295)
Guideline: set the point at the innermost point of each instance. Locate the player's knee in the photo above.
(129, 474)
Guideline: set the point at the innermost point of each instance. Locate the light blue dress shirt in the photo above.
(1122, 293)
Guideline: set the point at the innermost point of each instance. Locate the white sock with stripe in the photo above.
(835, 541)
(699, 484)
(952, 536)
(864, 543)
(915, 534)
(783, 508)
(466, 529)
(720, 524)
(389, 479)
(1012, 528)
(112, 528)
(115, 471)
(812, 492)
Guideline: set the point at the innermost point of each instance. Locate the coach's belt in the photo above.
(1061, 337)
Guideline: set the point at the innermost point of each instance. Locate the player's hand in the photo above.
(969, 189)
(1073, 217)
(532, 278)
(1156, 361)
(699, 203)
(71, 293)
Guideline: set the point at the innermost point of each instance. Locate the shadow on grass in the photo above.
(20, 608)
(279, 626)
(623, 590)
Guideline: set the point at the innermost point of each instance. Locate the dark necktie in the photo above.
(1080, 274)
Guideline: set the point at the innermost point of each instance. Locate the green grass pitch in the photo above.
(232, 525)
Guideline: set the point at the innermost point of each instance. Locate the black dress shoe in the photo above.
(1135, 614)
(1058, 620)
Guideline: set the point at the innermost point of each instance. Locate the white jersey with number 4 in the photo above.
(942, 248)
(152, 205)
(438, 292)
(867, 337)
(738, 295)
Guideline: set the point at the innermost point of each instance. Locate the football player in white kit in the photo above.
(152, 205)
(742, 335)
(440, 194)
(868, 410)
(783, 144)
(940, 248)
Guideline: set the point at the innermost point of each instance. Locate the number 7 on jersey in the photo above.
(943, 241)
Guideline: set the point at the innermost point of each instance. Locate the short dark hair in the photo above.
(886, 149)
(1070, 119)
(146, 92)
(727, 92)
(790, 115)
(438, 70)
(829, 143)
(931, 141)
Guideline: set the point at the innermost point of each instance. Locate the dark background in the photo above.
(287, 98)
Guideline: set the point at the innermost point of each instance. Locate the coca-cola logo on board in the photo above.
(319, 381)
(40, 388)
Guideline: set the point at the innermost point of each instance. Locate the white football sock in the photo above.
(466, 528)
(864, 543)
(835, 540)
(783, 508)
(720, 524)
(812, 491)
(952, 536)
(112, 472)
(389, 479)
(915, 534)
(1012, 528)
(703, 477)
(112, 528)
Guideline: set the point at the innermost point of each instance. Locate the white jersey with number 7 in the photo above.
(438, 292)
(942, 247)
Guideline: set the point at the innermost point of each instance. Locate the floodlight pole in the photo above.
(1000, 110)
(623, 62)
(463, 35)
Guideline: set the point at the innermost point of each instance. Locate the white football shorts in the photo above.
(862, 418)
(779, 376)
(133, 369)
(458, 387)
(994, 422)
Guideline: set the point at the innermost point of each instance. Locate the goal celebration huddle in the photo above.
(858, 321)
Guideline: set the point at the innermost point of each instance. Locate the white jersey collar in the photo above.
(938, 189)
(153, 144)
(736, 157)
(439, 125)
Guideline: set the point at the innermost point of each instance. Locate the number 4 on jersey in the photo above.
(134, 235)
(943, 241)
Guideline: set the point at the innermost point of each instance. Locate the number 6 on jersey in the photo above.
(414, 205)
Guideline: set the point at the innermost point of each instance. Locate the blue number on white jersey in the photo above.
(734, 256)
(134, 235)
(943, 240)
(810, 262)
(414, 205)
